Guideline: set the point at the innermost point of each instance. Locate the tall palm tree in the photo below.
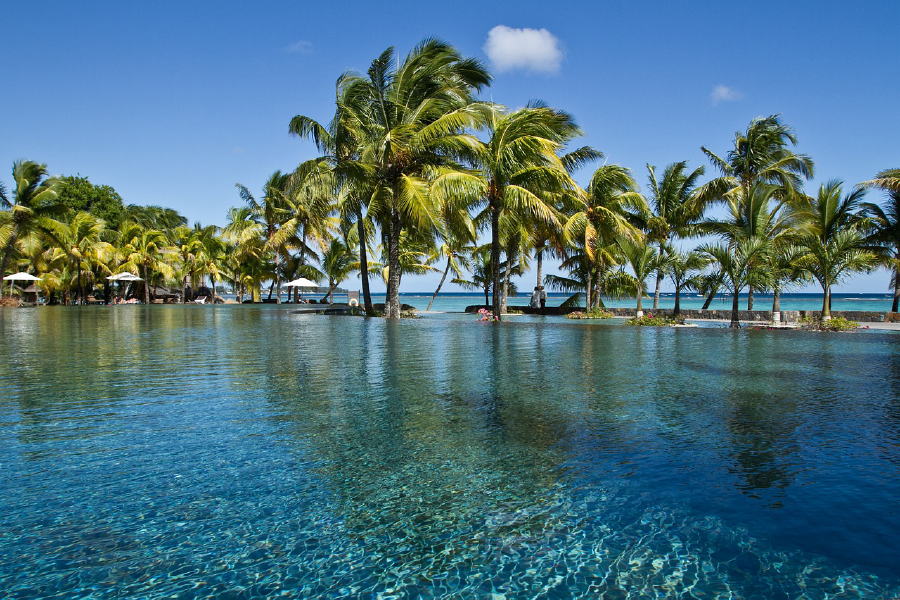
(338, 262)
(644, 261)
(81, 239)
(757, 213)
(270, 211)
(520, 171)
(247, 249)
(675, 208)
(147, 250)
(611, 209)
(341, 144)
(832, 237)
(33, 210)
(760, 155)
(884, 226)
(188, 248)
(736, 264)
(414, 125)
(684, 271)
(458, 234)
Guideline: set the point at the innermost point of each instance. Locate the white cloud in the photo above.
(723, 93)
(301, 47)
(535, 50)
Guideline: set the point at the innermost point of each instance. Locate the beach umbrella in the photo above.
(20, 276)
(126, 276)
(302, 282)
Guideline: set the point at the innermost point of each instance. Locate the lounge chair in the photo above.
(199, 300)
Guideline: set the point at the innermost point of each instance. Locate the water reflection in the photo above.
(441, 457)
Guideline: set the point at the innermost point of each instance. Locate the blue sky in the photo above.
(173, 103)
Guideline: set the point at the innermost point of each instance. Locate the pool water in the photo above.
(250, 452)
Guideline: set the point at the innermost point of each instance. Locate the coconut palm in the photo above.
(684, 270)
(81, 239)
(270, 211)
(458, 233)
(675, 208)
(341, 144)
(760, 155)
(244, 235)
(412, 128)
(520, 171)
(611, 209)
(33, 210)
(736, 263)
(338, 262)
(757, 213)
(644, 261)
(188, 248)
(481, 272)
(832, 237)
(147, 250)
(884, 226)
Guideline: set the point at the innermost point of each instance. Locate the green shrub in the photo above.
(833, 324)
(593, 313)
(649, 320)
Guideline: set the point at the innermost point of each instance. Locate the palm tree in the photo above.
(246, 253)
(675, 208)
(270, 212)
(832, 238)
(81, 240)
(758, 213)
(341, 144)
(188, 247)
(146, 251)
(759, 155)
(33, 210)
(643, 260)
(413, 127)
(338, 262)
(884, 226)
(611, 209)
(520, 171)
(458, 233)
(482, 273)
(736, 264)
(684, 271)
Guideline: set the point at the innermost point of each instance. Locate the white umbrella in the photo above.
(20, 276)
(126, 276)
(303, 282)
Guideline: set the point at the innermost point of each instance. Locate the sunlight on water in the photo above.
(241, 452)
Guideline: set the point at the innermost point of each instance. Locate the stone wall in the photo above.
(787, 316)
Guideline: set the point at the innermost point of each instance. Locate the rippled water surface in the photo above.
(249, 452)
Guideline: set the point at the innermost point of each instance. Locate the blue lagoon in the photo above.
(250, 452)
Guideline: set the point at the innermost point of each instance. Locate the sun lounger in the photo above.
(199, 300)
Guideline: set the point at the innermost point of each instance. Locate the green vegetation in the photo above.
(413, 170)
(649, 320)
(593, 313)
(832, 324)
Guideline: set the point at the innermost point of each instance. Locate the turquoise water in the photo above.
(457, 302)
(248, 452)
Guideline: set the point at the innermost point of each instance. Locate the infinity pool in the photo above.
(249, 452)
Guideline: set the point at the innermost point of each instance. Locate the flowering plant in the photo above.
(486, 315)
(594, 313)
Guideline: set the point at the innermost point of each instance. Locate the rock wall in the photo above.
(787, 316)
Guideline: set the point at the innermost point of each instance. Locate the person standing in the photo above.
(536, 298)
(543, 297)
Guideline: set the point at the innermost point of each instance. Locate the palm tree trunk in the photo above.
(146, 286)
(735, 319)
(495, 257)
(709, 299)
(510, 259)
(447, 270)
(750, 298)
(896, 302)
(588, 289)
(540, 265)
(393, 288)
(363, 263)
(6, 254)
(826, 303)
(640, 298)
(183, 286)
(80, 287)
(677, 310)
(659, 277)
(776, 300)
